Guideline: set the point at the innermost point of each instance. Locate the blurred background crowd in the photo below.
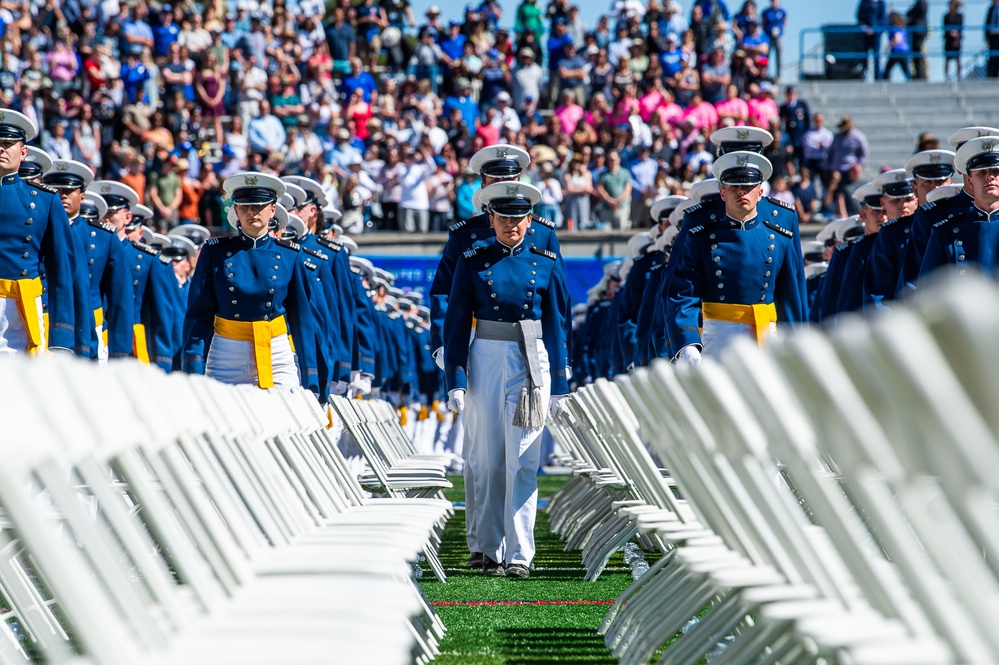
(384, 108)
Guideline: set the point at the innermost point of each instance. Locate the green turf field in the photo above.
(522, 634)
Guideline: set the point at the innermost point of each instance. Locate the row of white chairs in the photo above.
(153, 518)
(830, 498)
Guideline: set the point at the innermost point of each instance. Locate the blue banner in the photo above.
(416, 273)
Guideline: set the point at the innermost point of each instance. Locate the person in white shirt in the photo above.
(506, 117)
(414, 204)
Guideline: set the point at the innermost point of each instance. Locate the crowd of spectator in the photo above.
(385, 108)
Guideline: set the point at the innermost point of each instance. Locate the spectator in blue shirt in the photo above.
(556, 44)
(165, 32)
(671, 59)
(342, 41)
(898, 42)
(371, 19)
(461, 101)
(470, 184)
(453, 45)
(231, 34)
(872, 16)
(710, 6)
(572, 72)
(134, 75)
(755, 43)
(774, 19)
(358, 78)
(135, 30)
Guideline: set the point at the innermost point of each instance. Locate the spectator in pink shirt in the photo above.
(626, 107)
(762, 106)
(701, 113)
(569, 113)
(733, 107)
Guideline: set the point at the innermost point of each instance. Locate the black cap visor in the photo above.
(510, 207)
(254, 196)
(933, 171)
(983, 160)
(898, 190)
(501, 168)
(741, 175)
(873, 201)
(61, 180)
(11, 133)
(30, 170)
(733, 146)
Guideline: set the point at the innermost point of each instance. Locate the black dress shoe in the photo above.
(518, 571)
(474, 561)
(492, 568)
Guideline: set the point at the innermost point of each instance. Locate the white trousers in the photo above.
(231, 361)
(13, 334)
(717, 335)
(504, 458)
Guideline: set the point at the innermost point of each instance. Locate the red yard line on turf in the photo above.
(476, 603)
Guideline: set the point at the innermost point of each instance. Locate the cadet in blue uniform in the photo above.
(707, 211)
(155, 293)
(930, 169)
(177, 256)
(103, 260)
(872, 216)
(928, 215)
(843, 231)
(516, 361)
(634, 329)
(247, 294)
(742, 271)
(651, 312)
(35, 237)
(497, 163)
(974, 236)
(35, 165)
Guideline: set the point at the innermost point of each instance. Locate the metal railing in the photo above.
(816, 62)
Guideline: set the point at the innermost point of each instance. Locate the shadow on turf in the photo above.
(542, 646)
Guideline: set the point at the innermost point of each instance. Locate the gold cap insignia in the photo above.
(250, 180)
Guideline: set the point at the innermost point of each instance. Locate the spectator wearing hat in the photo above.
(495, 77)
(453, 45)
(433, 24)
(847, 155)
(526, 78)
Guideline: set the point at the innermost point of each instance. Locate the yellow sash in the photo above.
(26, 292)
(260, 333)
(99, 323)
(758, 316)
(140, 350)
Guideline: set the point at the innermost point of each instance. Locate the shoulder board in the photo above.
(856, 241)
(693, 208)
(928, 206)
(145, 248)
(288, 244)
(457, 225)
(316, 253)
(44, 188)
(778, 228)
(212, 241)
(890, 222)
(658, 266)
(696, 229)
(604, 303)
(843, 245)
(782, 204)
(944, 222)
(541, 220)
(335, 245)
(104, 225)
(469, 253)
(310, 265)
(544, 252)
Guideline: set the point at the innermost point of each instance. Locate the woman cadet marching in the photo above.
(248, 294)
(512, 289)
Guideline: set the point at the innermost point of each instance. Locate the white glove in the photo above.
(456, 400)
(631, 367)
(689, 355)
(556, 406)
(341, 388)
(361, 383)
(439, 357)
